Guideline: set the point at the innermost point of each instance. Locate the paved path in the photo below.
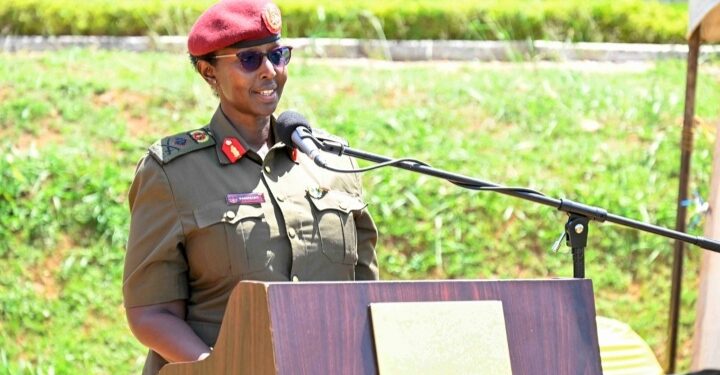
(418, 50)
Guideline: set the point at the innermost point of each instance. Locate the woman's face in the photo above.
(246, 93)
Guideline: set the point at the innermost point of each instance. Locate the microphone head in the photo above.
(286, 124)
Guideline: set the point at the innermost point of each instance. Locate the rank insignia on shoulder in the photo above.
(180, 141)
(199, 136)
(169, 148)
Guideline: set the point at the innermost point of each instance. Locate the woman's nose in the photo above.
(267, 69)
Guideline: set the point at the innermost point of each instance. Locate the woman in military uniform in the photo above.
(229, 201)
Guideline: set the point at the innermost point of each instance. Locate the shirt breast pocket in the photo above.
(333, 216)
(250, 239)
(208, 247)
(234, 238)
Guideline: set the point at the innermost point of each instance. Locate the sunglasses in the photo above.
(251, 60)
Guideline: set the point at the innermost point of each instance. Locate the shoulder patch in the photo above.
(325, 136)
(169, 148)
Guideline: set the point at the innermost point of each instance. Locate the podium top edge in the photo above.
(433, 281)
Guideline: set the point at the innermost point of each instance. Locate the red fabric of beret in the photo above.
(237, 23)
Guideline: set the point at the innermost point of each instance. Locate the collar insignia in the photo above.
(233, 149)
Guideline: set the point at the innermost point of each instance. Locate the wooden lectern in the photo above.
(325, 328)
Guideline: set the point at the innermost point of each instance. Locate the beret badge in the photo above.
(272, 19)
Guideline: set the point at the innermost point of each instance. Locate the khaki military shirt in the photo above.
(200, 223)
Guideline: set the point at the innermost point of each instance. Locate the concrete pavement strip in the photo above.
(389, 50)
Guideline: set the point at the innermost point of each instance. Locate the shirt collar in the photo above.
(222, 129)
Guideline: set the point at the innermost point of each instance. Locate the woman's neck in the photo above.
(254, 130)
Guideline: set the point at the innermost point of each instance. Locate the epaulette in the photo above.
(325, 136)
(169, 148)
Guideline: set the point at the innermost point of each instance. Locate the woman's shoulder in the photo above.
(169, 148)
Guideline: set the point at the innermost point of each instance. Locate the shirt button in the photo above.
(280, 198)
(291, 233)
(296, 279)
(230, 215)
(267, 169)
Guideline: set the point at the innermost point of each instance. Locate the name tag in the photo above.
(245, 198)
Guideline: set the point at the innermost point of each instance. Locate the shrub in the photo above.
(576, 20)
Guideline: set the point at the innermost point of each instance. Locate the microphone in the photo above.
(293, 128)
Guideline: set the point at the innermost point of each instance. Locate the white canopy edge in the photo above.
(706, 15)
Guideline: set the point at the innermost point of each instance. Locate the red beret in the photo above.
(237, 23)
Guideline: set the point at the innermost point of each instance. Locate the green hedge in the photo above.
(576, 20)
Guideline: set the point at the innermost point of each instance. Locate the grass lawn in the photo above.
(73, 124)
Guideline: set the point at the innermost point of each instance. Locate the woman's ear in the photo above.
(207, 71)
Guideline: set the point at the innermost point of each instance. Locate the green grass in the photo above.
(74, 123)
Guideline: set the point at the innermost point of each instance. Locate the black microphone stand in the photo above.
(579, 215)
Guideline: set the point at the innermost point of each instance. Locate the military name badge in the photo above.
(272, 19)
(199, 136)
(245, 198)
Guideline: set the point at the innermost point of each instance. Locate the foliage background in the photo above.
(74, 122)
(632, 21)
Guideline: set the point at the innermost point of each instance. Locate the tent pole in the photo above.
(686, 146)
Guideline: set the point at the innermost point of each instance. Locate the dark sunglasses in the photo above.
(251, 60)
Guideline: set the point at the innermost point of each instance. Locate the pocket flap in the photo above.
(211, 213)
(220, 212)
(337, 200)
(247, 211)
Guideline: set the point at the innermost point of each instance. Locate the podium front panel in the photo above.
(325, 328)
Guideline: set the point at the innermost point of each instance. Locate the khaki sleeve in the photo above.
(155, 265)
(367, 236)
